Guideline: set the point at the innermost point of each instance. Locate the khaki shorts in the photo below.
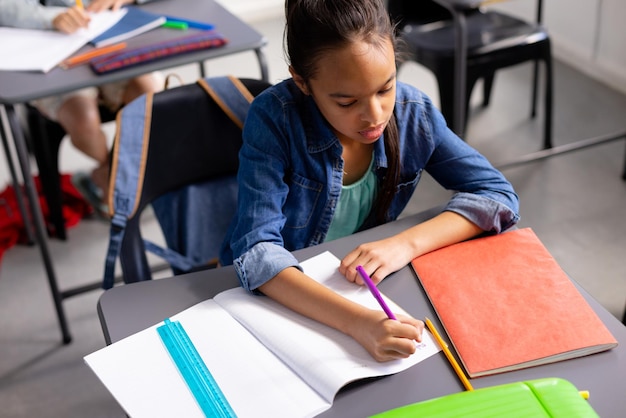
(109, 95)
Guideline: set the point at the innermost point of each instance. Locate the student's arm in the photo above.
(483, 198)
(27, 15)
(381, 258)
(385, 339)
(100, 5)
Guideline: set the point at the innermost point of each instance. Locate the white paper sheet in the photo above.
(42, 50)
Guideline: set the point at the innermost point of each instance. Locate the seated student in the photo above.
(77, 112)
(338, 148)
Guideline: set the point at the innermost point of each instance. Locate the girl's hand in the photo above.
(381, 258)
(387, 339)
(99, 5)
(71, 20)
(378, 258)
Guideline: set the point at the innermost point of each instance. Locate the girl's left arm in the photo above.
(100, 5)
(484, 200)
(381, 258)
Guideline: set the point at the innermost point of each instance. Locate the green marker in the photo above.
(175, 25)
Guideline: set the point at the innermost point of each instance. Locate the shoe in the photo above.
(91, 193)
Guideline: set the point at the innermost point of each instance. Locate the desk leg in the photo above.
(260, 54)
(40, 230)
(16, 185)
(624, 178)
(201, 69)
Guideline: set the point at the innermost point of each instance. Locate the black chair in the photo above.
(44, 138)
(191, 141)
(494, 41)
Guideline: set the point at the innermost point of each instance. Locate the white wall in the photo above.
(586, 34)
(251, 10)
(589, 35)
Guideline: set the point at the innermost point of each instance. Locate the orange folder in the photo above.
(506, 304)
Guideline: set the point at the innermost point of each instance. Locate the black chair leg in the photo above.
(487, 86)
(624, 178)
(533, 108)
(547, 127)
(446, 96)
(46, 150)
(445, 83)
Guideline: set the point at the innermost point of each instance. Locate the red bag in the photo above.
(12, 227)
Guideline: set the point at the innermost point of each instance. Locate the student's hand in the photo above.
(387, 339)
(71, 20)
(99, 5)
(378, 258)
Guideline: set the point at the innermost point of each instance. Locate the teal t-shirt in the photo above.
(355, 203)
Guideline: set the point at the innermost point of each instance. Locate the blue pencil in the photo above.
(190, 23)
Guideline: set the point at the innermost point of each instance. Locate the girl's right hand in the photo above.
(387, 339)
(71, 20)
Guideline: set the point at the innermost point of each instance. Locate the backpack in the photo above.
(192, 238)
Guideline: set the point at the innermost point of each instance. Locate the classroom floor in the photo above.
(572, 202)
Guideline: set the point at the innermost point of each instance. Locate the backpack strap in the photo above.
(231, 96)
(129, 156)
(129, 161)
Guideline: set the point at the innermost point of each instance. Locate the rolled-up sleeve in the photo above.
(488, 214)
(261, 263)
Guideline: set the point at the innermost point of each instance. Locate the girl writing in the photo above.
(338, 148)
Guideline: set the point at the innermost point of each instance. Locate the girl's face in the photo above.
(355, 89)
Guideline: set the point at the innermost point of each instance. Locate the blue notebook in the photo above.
(135, 22)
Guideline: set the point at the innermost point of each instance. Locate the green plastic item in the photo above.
(549, 397)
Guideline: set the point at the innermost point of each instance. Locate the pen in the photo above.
(190, 23)
(446, 351)
(172, 24)
(374, 290)
(89, 55)
(79, 3)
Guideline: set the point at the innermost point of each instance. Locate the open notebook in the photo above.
(135, 22)
(267, 360)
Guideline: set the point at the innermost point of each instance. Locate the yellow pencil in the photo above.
(79, 3)
(446, 351)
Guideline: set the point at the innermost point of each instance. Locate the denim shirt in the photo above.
(290, 178)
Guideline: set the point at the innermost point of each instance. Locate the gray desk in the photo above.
(127, 309)
(19, 87)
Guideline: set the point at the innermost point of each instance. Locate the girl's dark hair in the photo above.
(314, 27)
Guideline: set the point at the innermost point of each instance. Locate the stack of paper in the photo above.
(41, 50)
